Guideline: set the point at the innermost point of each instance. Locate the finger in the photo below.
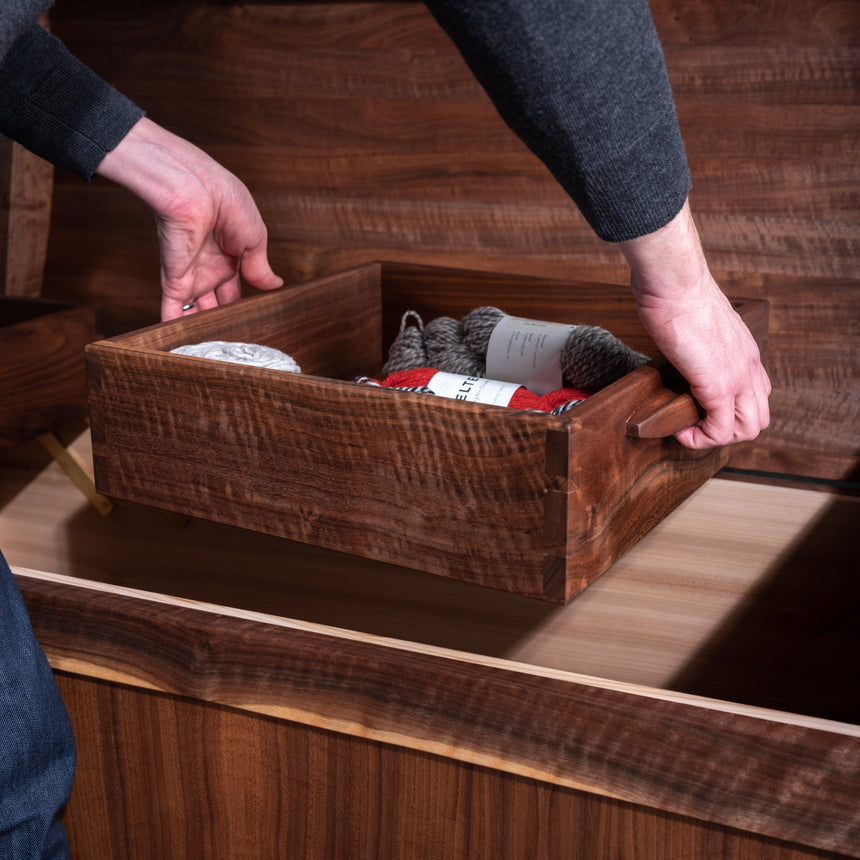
(206, 301)
(696, 438)
(229, 291)
(765, 399)
(748, 417)
(172, 309)
(257, 271)
(715, 429)
(752, 409)
(724, 425)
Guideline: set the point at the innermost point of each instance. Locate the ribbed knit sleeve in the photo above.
(583, 83)
(58, 108)
(17, 16)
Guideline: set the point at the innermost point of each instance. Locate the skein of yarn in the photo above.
(428, 380)
(591, 357)
(254, 354)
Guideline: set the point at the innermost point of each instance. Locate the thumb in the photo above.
(257, 271)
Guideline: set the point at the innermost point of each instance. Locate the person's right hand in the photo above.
(209, 228)
(695, 327)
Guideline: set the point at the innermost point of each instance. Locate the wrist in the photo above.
(157, 166)
(668, 265)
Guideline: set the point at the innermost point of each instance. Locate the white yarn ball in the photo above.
(241, 353)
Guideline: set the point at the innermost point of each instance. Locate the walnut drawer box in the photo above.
(42, 378)
(526, 502)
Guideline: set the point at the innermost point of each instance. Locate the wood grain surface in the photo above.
(363, 136)
(239, 785)
(27, 183)
(42, 372)
(703, 759)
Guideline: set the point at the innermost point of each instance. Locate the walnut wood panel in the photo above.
(26, 188)
(304, 463)
(26, 182)
(163, 775)
(363, 136)
(331, 327)
(42, 373)
(704, 759)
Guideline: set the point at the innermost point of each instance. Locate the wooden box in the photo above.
(42, 375)
(526, 502)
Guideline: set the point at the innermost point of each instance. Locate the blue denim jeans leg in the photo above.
(37, 749)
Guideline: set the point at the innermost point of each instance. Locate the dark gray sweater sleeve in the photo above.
(17, 16)
(583, 83)
(58, 108)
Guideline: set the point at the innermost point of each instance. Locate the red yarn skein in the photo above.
(522, 398)
(415, 378)
(561, 396)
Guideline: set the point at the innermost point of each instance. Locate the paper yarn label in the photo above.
(528, 352)
(473, 389)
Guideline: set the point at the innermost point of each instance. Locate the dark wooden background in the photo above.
(363, 136)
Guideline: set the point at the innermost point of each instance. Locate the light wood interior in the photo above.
(746, 593)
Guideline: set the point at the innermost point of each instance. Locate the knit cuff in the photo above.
(627, 194)
(55, 106)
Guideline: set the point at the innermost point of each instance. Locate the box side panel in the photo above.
(448, 488)
(42, 378)
(616, 488)
(331, 327)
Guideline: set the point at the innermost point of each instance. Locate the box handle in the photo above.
(671, 409)
(663, 414)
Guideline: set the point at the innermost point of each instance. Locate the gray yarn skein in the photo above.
(445, 345)
(407, 351)
(591, 359)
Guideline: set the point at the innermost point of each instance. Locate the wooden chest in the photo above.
(530, 503)
(41, 364)
(228, 688)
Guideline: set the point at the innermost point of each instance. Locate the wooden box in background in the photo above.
(42, 374)
(526, 502)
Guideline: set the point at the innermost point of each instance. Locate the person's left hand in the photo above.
(209, 228)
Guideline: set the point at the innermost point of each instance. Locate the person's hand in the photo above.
(209, 227)
(696, 328)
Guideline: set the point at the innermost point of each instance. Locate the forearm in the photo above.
(668, 265)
